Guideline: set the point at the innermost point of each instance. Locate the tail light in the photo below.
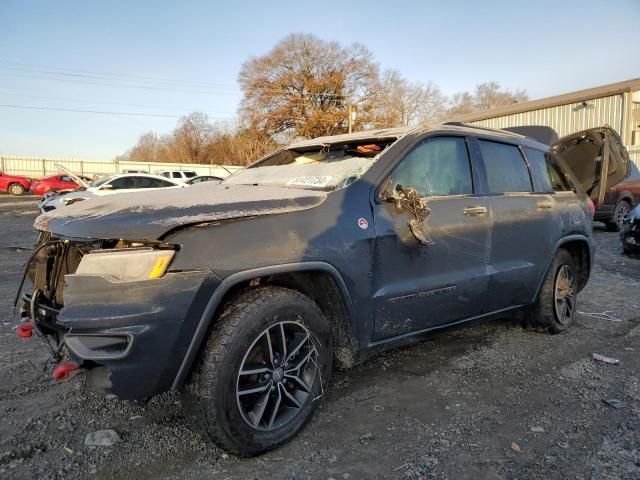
(592, 207)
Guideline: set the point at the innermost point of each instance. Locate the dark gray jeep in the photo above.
(247, 292)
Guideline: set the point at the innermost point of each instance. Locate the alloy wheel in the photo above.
(564, 296)
(277, 375)
(621, 212)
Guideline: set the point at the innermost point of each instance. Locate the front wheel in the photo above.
(16, 189)
(555, 309)
(264, 367)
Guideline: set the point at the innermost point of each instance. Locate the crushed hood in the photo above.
(149, 215)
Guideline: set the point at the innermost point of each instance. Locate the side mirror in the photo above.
(407, 199)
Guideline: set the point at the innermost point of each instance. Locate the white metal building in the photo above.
(616, 105)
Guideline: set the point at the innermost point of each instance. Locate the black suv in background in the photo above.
(249, 291)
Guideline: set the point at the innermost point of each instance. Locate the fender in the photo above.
(236, 278)
(564, 240)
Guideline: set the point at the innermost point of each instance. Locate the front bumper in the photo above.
(132, 337)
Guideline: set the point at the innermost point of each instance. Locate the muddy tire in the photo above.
(259, 378)
(621, 210)
(16, 189)
(555, 309)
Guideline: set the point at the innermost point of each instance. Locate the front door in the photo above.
(419, 285)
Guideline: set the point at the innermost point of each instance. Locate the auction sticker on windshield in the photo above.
(322, 181)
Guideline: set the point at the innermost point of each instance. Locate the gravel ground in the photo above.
(486, 401)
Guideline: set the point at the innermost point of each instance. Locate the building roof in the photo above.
(564, 99)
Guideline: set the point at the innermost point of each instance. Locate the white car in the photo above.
(127, 183)
(177, 175)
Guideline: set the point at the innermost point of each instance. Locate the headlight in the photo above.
(126, 265)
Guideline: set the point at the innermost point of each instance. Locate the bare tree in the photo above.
(191, 137)
(461, 103)
(402, 103)
(147, 148)
(486, 95)
(304, 87)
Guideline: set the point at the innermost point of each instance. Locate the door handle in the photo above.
(543, 205)
(475, 211)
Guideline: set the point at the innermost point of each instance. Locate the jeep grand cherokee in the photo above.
(247, 292)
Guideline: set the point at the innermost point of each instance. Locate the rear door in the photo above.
(524, 225)
(597, 158)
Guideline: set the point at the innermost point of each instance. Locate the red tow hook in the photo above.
(62, 371)
(25, 331)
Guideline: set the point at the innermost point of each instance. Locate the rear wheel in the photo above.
(555, 308)
(620, 211)
(16, 189)
(262, 371)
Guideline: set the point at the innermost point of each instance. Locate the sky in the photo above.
(163, 58)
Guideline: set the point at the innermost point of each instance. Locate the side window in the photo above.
(539, 173)
(176, 174)
(437, 166)
(146, 182)
(506, 168)
(123, 183)
(166, 174)
(64, 178)
(559, 181)
(189, 174)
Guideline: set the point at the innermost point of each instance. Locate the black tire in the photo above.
(546, 315)
(621, 209)
(16, 189)
(212, 399)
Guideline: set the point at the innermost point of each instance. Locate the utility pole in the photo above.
(351, 116)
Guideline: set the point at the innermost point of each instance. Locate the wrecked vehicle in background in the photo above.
(630, 232)
(247, 292)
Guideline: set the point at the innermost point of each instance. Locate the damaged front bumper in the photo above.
(130, 337)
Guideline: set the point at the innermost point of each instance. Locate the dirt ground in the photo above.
(486, 401)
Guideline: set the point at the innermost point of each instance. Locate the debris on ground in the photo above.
(602, 358)
(102, 438)
(364, 439)
(515, 447)
(615, 403)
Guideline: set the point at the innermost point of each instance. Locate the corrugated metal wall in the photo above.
(566, 119)
(41, 167)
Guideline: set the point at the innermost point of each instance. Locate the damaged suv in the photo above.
(246, 293)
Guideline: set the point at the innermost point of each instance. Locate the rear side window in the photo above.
(189, 174)
(437, 166)
(176, 175)
(547, 174)
(506, 168)
(539, 173)
(559, 181)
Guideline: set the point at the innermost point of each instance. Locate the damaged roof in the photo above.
(380, 134)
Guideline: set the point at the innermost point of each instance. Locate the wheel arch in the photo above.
(319, 280)
(581, 249)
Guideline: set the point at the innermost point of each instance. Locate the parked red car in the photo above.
(619, 201)
(14, 184)
(55, 183)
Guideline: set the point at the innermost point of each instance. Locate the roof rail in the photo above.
(480, 127)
